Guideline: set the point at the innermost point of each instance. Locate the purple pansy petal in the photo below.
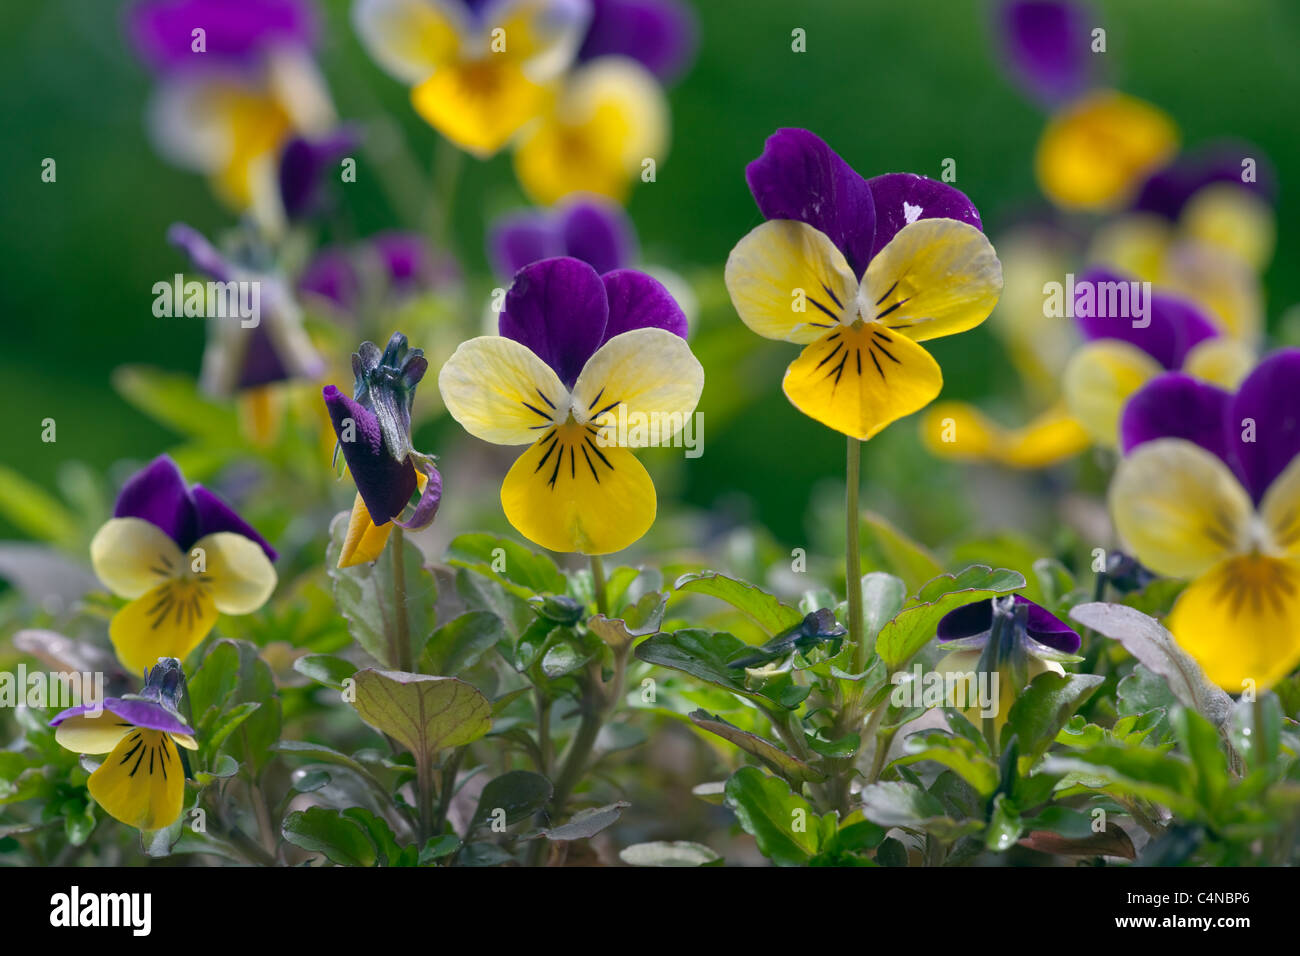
(1269, 399)
(638, 301)
(235, 31)
(557, 308)
(520, 239)
(974, 620)
(261, 363)
(384, 483)
(304, 166)
(1175, 405)
(215, 515)
(660, 34)
(599, 233)
(902, 198)
(1167, 190)
(1170, 329)
(426, 509)
(139, 713)
(799, 177)
(331, 275)
(157, 494)
(407, 259)
(1046, 44)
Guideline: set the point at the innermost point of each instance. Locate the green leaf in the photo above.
(669, 853)
(34, 511)
(342, 839)
(912, 628)
(459, 643)
(760, 607)
(1004, 827)
(587, 823)
(325, 669)
(704, 655)
(365, 596)
(889, 548)
(787, 765)
(639, 619)
(1043, 708)
(961, 755)
(517, 794)
(882, 598)
(787, 830)
(1146, 639)
(524, 573)
(424, 714)
(902, 804)
(233, 697)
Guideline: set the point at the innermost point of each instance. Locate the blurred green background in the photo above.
(890, 85)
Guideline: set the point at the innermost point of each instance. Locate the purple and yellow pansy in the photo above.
(1209, 490)
(859, 272)
(142, 780)
(1121, 353)
(1032, 641)
(236, 83)
(478, 71)
(181, 556)
(1099, 144)
(374, 432)
(576, 352)
(591, 228)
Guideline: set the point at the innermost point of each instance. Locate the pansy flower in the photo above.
(236, 82)
(589, 228)
(661, 35)
(1099, 143)
(607, 123)
(374, 432)
(1030, 641)
(306, 163)
(381, 271)
(858, 272)
(247, 357)
(1209, 490)
(182, 556)
(478, 71)
(1122, 354)
(578, 354)
(142, 780)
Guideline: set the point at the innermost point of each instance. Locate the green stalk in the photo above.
(598, 585)
(853, 555)
(401, 654)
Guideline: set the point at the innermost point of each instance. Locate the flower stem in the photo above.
(447, 163)
(598, 584)
(853, 555)
(1260, 735)
(401, 637)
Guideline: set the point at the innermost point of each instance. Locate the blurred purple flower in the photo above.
(589, 228)
(662, 35)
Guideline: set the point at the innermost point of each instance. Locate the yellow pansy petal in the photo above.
(1241, 622)
(185, 740)
(647, 374)
(1095, 152)
(1135, 243)
(860, 378)
(1221, 361)
(1099, 380)
(141, 783)
(935, 277)
(261, 414)
(92, 735)
(1280, 510)
(541, 34)
(1221, 282)
(789, 282)
(1053, 436)
(1179, 508)
(364, 541)
(131, 555)
(959, 431)
(479, 105)
(1228, 216)
(256, 125)
(570, 493)
(238, 574)
(500, 391)
(168, 621)
(610, 118)
(411, 39)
